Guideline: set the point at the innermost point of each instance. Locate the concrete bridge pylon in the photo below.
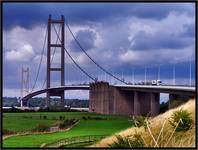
(60, 69)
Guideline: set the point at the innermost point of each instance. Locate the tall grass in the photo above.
(159, 132)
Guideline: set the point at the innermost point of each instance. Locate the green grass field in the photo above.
(17, 122)
(27, 121)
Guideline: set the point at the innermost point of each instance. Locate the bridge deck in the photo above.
(144, 88)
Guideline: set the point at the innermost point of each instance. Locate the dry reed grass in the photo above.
(159, 132)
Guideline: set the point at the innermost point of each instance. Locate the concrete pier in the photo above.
(106, 99)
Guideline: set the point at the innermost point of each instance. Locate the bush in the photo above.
(84, 118)
(7, 132)
(93, 118)
(181, 120)
(44, 117)
(140, 121)
(41, 128)
(98, 118)
(163, 107)
(128, 142)
(60, 117)
(67, 123)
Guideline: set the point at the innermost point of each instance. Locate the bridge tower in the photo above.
(61, 69)
(24, 83)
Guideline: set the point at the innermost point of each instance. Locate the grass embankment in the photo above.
(159, 132)
(107, 126)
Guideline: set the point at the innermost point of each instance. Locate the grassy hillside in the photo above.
(159, 132)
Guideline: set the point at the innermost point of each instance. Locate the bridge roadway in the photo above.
(144, 88)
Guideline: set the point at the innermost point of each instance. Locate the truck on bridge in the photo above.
(153, 82)
(156, 82)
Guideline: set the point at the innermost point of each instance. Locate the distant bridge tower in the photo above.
(61, 69)
(25, 80)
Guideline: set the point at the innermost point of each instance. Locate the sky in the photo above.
(127, 39)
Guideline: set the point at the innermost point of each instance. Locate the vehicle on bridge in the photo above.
(156, 82)
(153, 82)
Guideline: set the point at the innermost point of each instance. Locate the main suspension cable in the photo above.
(92, 58)
(51, 58)
(74, 60)
(37, 74)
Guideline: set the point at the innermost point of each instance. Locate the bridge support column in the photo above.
(105, 97)
(112, 102)
(91, 97)
(99, 97)
(48, 100)
(155, 103)
(98, 107)
(136, 105)
(123, 102)
(62, 95)
(146, 103)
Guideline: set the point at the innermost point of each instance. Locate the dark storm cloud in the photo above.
(160, 10)
(25, 15)
(86, 39)
(160, 40)
(189, 30)
(28, 15)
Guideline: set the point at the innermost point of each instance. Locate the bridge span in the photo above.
(55, 90)
(103, 98)
(144, 88)
(123, 99)
(183, 90)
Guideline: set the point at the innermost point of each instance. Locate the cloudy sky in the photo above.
(124, 38)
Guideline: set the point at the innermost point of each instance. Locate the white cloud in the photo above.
(24, 53)
(131, 56)
(18, 36)
(82, 59)
(173, 24)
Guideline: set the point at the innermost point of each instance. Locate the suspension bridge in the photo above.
(103, 97)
